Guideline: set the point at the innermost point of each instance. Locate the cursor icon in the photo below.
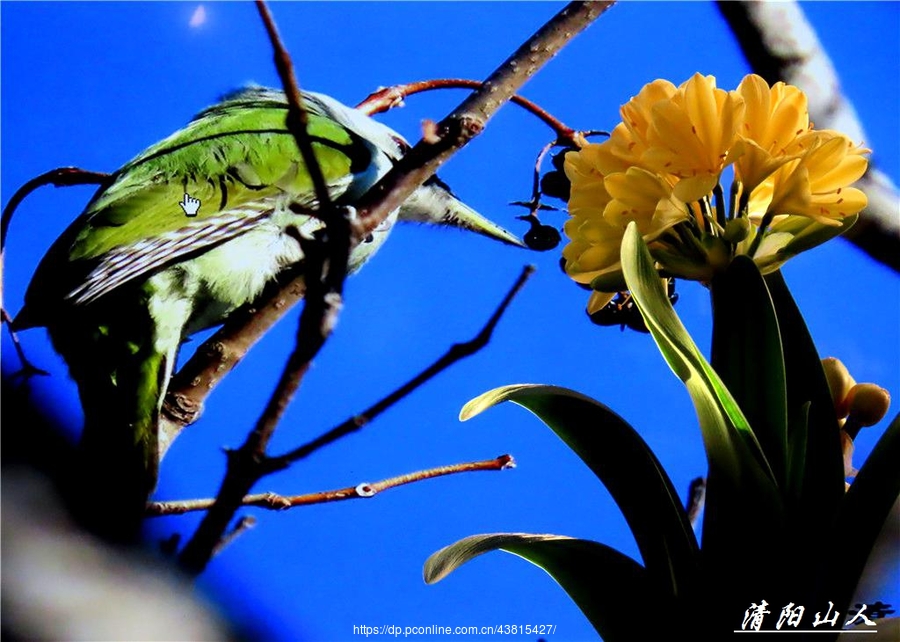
(190, 205)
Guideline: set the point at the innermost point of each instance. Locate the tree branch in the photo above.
(780, 44)
(246, 465)
(297, 118)
(323, 294)
(59, 177)
(389, 97)
(272, 501)
(219, 355)
(457, 352)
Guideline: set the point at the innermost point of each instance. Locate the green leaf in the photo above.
(862, 515)
(747, 355)
(613, 591)
(743, 509)
(816, 463)
(807, 234)
(615, 452)
(811, 412)
(730, 444)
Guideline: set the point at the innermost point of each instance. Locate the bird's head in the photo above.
(435, 204)
(432, 203)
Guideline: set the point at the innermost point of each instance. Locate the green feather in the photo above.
(210, 160)
(133, 275)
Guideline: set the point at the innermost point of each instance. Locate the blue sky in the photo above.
(92, 84)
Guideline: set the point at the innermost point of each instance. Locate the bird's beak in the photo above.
(434, 203)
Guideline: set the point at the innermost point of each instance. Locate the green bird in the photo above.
(179, 238)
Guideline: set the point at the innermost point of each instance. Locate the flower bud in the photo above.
(867, 404)
(839, 383)
(847, 448)
(736, 230)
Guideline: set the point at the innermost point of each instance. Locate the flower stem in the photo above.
(767, 219)
(732, 204)
(720, 204)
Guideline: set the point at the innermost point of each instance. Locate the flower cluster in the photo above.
(663, 165)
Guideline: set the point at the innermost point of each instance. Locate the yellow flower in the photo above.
(628, 141)
(602, 209)
(691, 134)
(773, 117)
(662, 166)
(595, 243)
(772, 121)
(816, 183)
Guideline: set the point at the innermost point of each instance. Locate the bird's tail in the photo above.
(121, 379)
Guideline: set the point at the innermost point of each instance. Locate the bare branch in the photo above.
(243, 525)
(780, 44)
(28, 369)
(59, 177)
(297, 119)
(247, 465)
(390, 97)
(323, 293)
(272, 501)
(457, 352)
(218, 356)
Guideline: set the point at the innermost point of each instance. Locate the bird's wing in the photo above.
(236, 157)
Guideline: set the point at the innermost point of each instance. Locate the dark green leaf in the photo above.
(862, 515)
(811, 411)
(613, 591)
(625, 464)
(747, 355)
(730, 443)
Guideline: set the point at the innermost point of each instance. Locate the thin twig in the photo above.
(218, 356)
(240, 469)
(780, 44)
(59, 177)
(457, 352)
(534, 205)
(273, 501)
(389, 97)
(297, 119)
(243, 525)
(28, 369)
